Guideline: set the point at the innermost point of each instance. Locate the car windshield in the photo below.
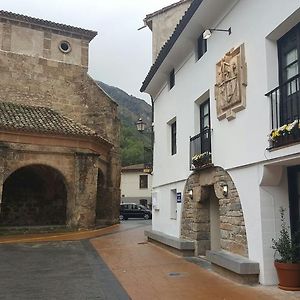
(143, 207)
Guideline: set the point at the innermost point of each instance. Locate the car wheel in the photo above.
(121, 217)
(146, 216)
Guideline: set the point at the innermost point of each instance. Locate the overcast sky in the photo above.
(120, 55)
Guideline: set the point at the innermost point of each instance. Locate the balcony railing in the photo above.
(200, 150)
(285, 110)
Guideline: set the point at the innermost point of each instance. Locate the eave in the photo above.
(201, 15)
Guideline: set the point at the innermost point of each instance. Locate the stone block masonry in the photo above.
(196, 215)
(39, 74)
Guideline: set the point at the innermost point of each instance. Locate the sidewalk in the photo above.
(149, 272)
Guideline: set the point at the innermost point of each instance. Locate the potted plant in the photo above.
(201, 160)
(288, 263)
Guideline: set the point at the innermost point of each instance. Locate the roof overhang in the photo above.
(48, 25)
(149, 17)
(201, 15)
(88, 143)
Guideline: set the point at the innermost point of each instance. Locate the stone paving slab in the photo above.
(56, 270)
(147, 271)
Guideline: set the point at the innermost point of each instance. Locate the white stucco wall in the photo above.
(162, 219)
(130, 185)
(238, 146)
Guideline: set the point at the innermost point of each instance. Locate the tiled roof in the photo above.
(137, 167)
(170, 42)
(48, 24)
(37, 119)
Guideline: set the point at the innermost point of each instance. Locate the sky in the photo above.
(120, 55)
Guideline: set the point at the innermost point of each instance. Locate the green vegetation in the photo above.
(135, 146)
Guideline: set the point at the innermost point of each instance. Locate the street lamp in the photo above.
(140, 125)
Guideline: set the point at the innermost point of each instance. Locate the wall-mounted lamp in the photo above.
(225, 190)
(190, 193)
(207, 33)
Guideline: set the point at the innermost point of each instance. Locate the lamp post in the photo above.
(148, 165)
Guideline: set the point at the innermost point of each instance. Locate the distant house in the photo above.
(225, 88)
(59, 131)
(136, 185)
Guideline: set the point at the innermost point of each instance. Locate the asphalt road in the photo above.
(56, 270)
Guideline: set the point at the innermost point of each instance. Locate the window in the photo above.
(64, 46)
(143, 181)
(205, 126)
(173, 204)
(289, 66)
(173, 138)
(172, 78)
(201, 46)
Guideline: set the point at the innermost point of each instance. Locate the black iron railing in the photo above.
(285, 109)
(200, 149)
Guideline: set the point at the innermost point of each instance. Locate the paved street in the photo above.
(149, 272)
(66, 266)
(55, 270)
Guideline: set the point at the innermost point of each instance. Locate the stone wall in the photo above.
(196, 217)
(22, 38)
(78, 171)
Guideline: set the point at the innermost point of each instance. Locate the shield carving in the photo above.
(231, 83)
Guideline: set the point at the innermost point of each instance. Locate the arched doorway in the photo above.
(34, 195)
(212, 215)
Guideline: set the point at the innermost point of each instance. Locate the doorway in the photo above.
(294, 199)
(214, 212)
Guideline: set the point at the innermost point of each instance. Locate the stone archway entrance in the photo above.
(211, 217)
(34, 195)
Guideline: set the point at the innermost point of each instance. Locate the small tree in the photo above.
(286, 246)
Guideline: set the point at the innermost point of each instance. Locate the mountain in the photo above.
(134, 145)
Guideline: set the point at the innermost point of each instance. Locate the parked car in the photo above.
(132, 210)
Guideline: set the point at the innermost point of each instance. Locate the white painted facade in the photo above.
(238, 146)
(131, 191)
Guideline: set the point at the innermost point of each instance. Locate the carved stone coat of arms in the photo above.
(231, 82)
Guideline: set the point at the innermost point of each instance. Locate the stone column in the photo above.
(3, 157)
(83, 213)
(109, 208)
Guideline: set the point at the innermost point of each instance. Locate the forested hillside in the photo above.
(130, 110)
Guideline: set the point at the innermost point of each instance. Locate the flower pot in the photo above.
(288, 276)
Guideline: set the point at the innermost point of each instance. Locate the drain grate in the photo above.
(176, 274)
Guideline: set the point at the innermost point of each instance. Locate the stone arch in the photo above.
(207, 204)
(34, 195)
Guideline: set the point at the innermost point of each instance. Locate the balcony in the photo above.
(200, 150)
(285, 113)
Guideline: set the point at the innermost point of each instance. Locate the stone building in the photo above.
(59, 132)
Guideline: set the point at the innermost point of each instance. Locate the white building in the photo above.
(136, 185)
(214, 91)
